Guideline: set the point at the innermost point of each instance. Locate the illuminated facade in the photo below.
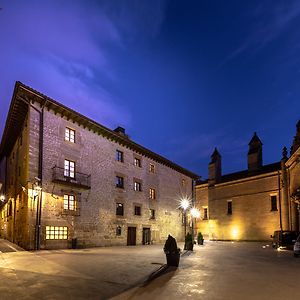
(67, 179)
(251, 204)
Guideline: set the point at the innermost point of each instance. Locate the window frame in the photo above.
(119, 156)
(118, 205)
(57, 232)
(70, 135)
(229, 207)
(151, 168)
(137, 210)
(273, 207)
(152, 214)
(152, 193)
(67, 202)
(137, 186)
(119, 179)
(137, 162)
(67, 171)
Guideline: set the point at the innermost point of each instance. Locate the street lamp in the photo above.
(184, 204)
(195, 215)
(2, 198)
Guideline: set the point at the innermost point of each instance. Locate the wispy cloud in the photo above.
(64, 50)
(269, 21)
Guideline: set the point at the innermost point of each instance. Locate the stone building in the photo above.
(250, 204)
(65, 178)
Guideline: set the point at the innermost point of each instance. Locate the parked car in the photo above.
(297, 247)
(284, 239)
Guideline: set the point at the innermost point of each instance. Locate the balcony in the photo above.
(79, 180)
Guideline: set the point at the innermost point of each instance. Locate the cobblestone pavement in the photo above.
(217, 270)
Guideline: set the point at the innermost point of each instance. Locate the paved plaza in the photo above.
(217, 270)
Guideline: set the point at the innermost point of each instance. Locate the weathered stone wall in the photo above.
(14, 214)
(251, 218)
(97, 221)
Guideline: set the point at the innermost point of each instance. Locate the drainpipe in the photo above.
(279, 199)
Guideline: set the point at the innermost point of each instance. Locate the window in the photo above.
(273, 203)
(70, 135)
(119, 209)
(119, 156)
(118, 230)
(152, 214)
(183, 182)
(205, 215)
(69, 168)
(56, 232)
(137, 210)
(151, 168)
(229, 207)
(137, 186)
(137, 162)
(119, 182)
(69, 202)
(152, 193)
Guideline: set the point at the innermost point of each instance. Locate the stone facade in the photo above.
(251, 204)
(39, 218)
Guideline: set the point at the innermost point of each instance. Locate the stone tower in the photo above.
(296, 141)
(215, 168)
(255, 154)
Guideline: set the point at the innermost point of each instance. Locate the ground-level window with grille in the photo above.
(56, 232)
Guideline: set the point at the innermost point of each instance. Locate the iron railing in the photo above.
(80, 179)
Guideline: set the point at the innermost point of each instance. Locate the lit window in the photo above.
(137, 210)
(152, 194)
(56, 232)
(119, 182)
(69, 202)
(183, 182)
(137, 162)
(69, 170)
(70, 135)
(137, 186)
(205, 214)
(118, 230)
(151, 168)
(119, 209)
(274, 203)
(119, 156)
(152, 214)
(229, 207)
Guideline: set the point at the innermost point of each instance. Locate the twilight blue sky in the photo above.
(181, 76)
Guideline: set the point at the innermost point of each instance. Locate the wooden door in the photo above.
(131, 236)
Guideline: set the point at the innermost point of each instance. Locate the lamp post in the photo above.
(184, 204)
(195, 215)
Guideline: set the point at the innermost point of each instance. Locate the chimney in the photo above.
(255, 154)
(121, 131)
(215, 168)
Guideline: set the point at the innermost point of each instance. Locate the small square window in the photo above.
(137, 210)
(152, 194)
(119, 182)
(229, 207)
(151, 168)
(119, 209)
(119, 156)
(70, 135)
(274, 203)
(118, 230)
(137, 186)
(152, 214)
(137, 162)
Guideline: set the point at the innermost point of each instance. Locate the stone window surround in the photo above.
(137, 163)
(137, 185)
(135, 204)
(274, 206)
(119, 156)
(70, 135)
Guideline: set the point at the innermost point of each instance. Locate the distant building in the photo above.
(67, 179)
(251, 204)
